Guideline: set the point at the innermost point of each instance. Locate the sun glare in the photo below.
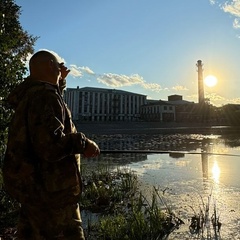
(216, 172)
(210, 81)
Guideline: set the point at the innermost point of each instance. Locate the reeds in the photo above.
(203, 224)
(126, 214)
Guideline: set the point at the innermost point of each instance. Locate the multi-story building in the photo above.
(100, 104)
(184, 110)
(158, 110)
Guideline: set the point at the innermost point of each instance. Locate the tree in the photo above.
(15, 45)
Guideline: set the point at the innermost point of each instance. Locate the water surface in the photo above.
(198, 170)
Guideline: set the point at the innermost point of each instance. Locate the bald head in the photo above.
(44, 66)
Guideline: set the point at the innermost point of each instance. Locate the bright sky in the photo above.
(147, 47)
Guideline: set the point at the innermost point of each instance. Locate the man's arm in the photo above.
(46, 129)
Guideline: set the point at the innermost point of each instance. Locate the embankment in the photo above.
(152, 128)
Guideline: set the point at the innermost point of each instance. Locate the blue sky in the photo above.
(147, 47)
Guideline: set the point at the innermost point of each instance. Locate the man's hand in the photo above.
(62, 81)
(64, 71)
(91, 149)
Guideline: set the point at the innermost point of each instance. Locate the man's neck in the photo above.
(45, 79)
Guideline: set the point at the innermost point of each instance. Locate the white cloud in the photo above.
(212, 2)
(79, 71)
(236, 23)
(234, 101)
(87, 70)
(215, 98)
(152, 86)
(75, 71)
(179, 88)
(116, 80)
(219, 100)
(232, 7)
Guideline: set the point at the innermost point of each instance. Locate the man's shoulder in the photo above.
(50, 87)
(42, 90)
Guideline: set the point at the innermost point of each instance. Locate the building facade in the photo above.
(100, 104)
(157, 110)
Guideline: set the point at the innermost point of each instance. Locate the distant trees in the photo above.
(15, 45)
(231, 113)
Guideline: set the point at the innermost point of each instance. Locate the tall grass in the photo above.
(128, 214)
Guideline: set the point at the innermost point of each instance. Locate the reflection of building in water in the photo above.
(176, 155)
(117, 143)
(145, 142)
(204, 157)
(122, 158)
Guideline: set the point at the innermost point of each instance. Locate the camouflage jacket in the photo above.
(43, 151)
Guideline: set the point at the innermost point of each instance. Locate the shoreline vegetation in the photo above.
(112, 205)
(119, 209)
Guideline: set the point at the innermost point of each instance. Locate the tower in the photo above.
(200, 82)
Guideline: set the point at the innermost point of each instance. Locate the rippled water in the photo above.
(199, 169)
(193, 180)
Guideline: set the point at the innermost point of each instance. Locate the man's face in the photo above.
(56, 68)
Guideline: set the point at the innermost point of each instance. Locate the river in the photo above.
(193, 170)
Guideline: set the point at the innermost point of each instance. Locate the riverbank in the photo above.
(106, 128)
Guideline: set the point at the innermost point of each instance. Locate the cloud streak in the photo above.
(179, 88)
(120, 80)
(115, 80)
(231, 7)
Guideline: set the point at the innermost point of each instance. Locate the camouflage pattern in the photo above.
(42, 161)
(52, 223)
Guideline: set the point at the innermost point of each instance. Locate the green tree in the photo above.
(15, 45)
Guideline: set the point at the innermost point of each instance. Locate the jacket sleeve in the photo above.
(50, 141)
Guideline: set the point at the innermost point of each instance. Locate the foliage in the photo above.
(124, 213)
(231, 114)
(15, 45)
(105, 190)
(9, 211)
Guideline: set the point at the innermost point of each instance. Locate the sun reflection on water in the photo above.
(216, 172)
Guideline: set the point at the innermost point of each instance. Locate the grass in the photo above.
(117, 210)
(125, 213)
(202, 224)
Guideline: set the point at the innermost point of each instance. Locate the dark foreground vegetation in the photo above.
(114, 208)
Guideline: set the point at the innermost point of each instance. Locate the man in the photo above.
(42, 162)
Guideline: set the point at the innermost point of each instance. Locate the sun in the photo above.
(210, 81)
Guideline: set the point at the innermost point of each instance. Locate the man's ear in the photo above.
(50, 65)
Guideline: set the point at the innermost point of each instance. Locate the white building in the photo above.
(100, 104)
